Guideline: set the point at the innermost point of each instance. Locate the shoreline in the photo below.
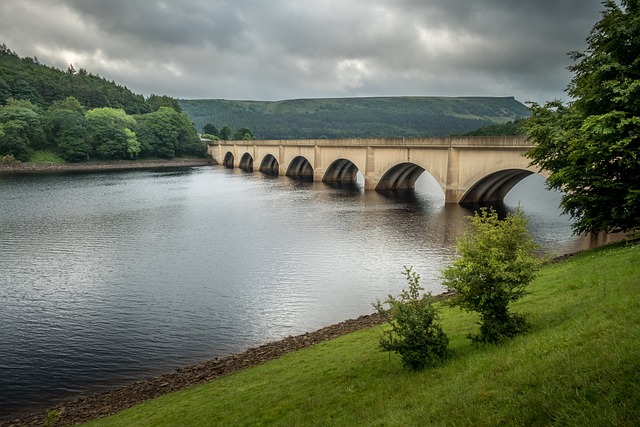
(21, 168)
(109, 402)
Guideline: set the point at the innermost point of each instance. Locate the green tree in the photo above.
(157, 101)
(210, 129)
(23, 90)
(111, 133)
(591, 147)
(225, 133)
(21, 128)
(243, 134)
(497, 261)
(67, 126)
(167, 133)
(415, 333)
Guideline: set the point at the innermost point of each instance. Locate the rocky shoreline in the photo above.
(19, 167)
(113, 401)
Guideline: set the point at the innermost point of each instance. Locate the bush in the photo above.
(498, 260)
(415, 333)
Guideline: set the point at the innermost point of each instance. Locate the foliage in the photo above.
(158, 101)
(68, 128)
(225, 133)
(21, 129)
(27, 79)
(355, 117)
(45, 156)
(497, 262)
(514, 127)
(210, 129)
(167, 133)
(243, 134)
(52, 418)
(591, 147)
(111, 135)
(79, 116)
(415, 333)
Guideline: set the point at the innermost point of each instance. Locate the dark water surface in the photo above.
(110, 277)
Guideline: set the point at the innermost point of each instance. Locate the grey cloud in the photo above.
(250, 49)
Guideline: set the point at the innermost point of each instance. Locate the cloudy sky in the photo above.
(283, 49)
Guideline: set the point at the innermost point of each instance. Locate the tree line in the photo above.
(210, 131)
(76, 134)
(28, 79)
(81, 116)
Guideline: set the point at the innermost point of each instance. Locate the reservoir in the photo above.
(111, 277)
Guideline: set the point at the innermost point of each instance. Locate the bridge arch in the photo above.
(492, 185)
(300, 168)
(229, 160)
(402, 176)
(341, 171)
(270, 165)
(246, 162)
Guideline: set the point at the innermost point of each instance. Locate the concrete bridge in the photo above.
(468, 169)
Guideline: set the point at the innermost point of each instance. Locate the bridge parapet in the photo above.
(452, 142)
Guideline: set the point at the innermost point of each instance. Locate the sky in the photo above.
(288, 49)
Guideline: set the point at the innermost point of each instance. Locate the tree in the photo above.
(157, 101)
(22, 130)
(243, 134)
(67, 126)
(415, 332)
(111, 133)
(167, 133)
(497, 262)
(591, 146)
(210, 129)
(23, 90)
(225, 133)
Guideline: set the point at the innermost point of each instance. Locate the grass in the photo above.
(580, 365)
(43, 156)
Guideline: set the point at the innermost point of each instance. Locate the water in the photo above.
(106, 278)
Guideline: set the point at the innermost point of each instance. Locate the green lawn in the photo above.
(580, 365)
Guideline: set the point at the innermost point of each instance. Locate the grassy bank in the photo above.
(580, 365)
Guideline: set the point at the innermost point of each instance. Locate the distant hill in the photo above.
(355, 117)
(514, 127)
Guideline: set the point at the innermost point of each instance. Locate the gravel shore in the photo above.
(116, 400)
(18, 167)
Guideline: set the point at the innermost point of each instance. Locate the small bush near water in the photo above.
(415, 333)
(497, 262)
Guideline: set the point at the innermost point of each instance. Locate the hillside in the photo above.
(28, 79)
(355, 117)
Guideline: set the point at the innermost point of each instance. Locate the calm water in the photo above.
(111, 277)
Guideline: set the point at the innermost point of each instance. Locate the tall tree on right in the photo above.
(591, 146)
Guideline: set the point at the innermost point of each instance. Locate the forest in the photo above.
(80, 116)
(356, 117)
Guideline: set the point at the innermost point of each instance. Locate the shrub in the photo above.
(415, 333)
(498, 260)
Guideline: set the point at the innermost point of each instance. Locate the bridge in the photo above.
(468, 169)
